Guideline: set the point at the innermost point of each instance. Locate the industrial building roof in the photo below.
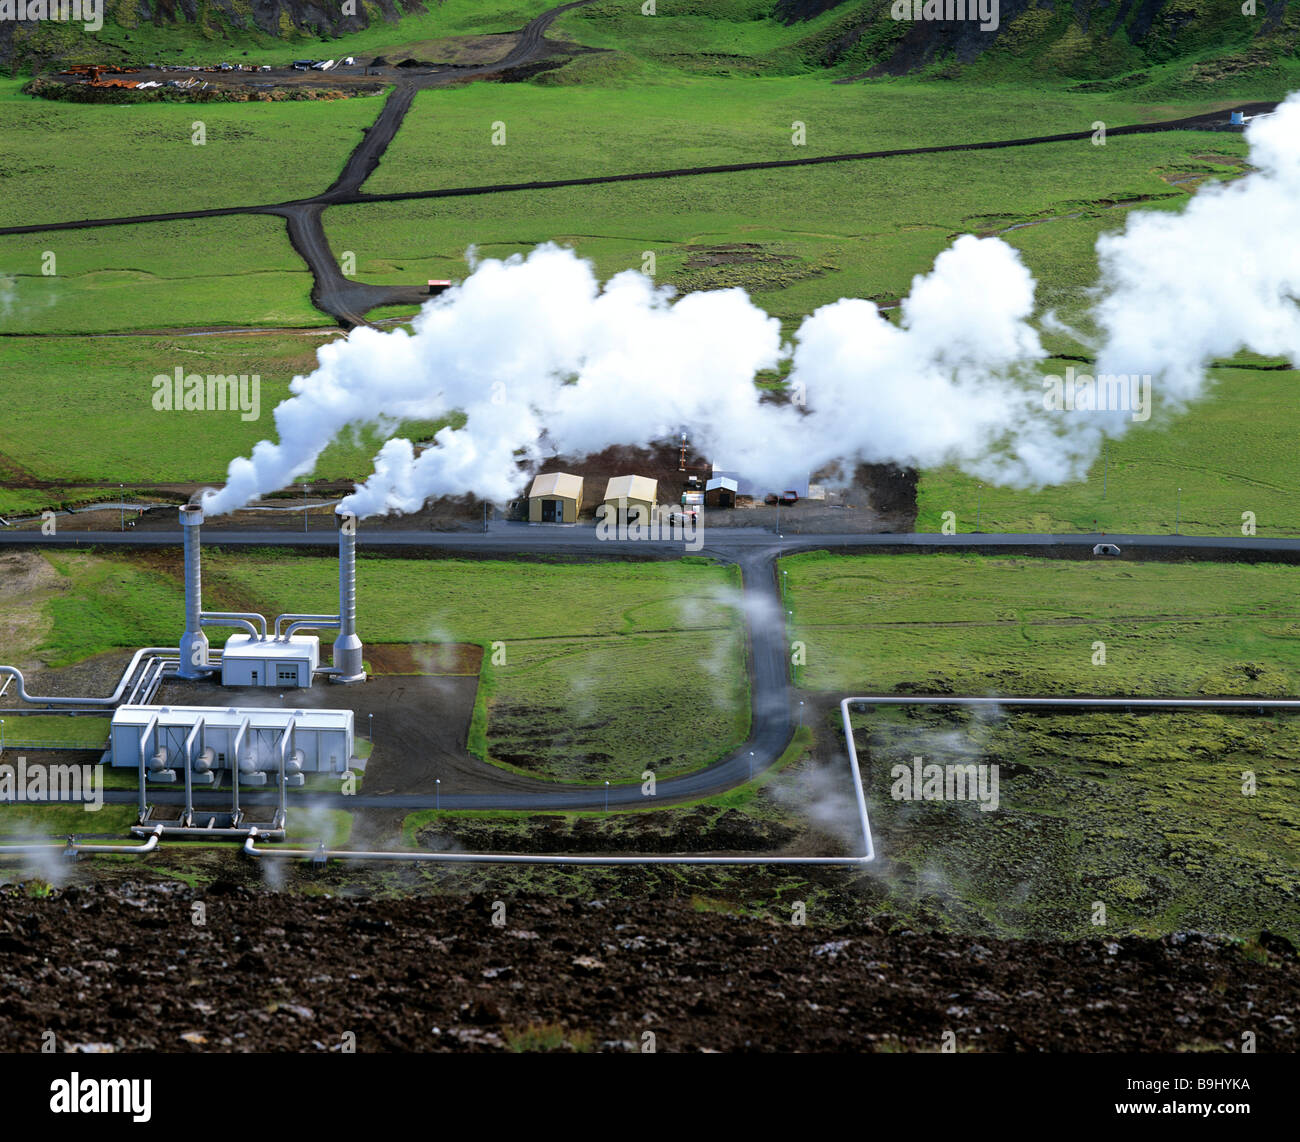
(562, 484)
(259, 717)
(632, 488)
(297, 646)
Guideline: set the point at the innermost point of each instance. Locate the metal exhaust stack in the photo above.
(347, 647)
(194, 643)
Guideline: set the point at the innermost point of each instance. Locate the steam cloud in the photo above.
(542, 360)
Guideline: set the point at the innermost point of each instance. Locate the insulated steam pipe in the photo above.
(236, 621)
(521, 859)
(111, 700)
(189, 762)
(285, 739)
(316, 620)
(75, 848)
(194, 643)
(312, 622)
(150, 727)
(322, 853)
(250, 621)
(347, 647)
(240, 734)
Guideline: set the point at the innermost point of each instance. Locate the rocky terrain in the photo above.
(163, 967)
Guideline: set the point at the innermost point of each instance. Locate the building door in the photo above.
(254, 677)
(552, 511)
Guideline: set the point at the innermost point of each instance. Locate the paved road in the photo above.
(726, 542)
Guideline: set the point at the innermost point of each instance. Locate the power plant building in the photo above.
(276, 662)
(555, 497)
(629, 498)
(208, 737)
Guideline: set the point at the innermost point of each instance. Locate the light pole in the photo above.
(801, 714)
(372, 728)
(979, 496)
(2, 735)
(1105, 465)
(1178, 511)
(751, 765)
(121, 508)
(606, 796)
(785, 582)
(305, 490)
(437, 792)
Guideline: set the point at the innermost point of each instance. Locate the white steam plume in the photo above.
(541, 359)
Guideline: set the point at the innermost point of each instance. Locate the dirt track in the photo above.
(270, 972)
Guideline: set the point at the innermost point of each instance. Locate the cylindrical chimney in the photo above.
(194, 643)
(347, 647)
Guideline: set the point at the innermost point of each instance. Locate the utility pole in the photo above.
(305, 490)
(979, 497)
(1178, 511)
(121, 508)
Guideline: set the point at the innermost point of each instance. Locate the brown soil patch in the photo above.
(731, 254)
(455, 658)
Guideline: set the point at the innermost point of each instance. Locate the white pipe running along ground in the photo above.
(74, 847)
(321, 853)
(111, 700)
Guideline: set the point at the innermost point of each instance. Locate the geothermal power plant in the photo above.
(250, 745)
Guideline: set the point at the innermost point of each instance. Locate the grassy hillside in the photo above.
(211, 31)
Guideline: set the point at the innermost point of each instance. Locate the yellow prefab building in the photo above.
(555, 498)
(631, 498)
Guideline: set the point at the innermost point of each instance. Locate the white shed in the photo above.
(249, 661)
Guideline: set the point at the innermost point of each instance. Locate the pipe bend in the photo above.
(252, 617)
(112, 700)
(291, 617)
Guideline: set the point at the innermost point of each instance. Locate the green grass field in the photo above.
(861, 229)
(564, 132)
(66, 161)
(971, 624)
(111, 402)
(158, 275)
